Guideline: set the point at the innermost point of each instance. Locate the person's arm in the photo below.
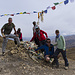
(14, 29)
(21, 36)
(2, 33)
(33, 37)
(41, 47)
(63, 42)
(45, 33)
(55, 44)
(33, 30)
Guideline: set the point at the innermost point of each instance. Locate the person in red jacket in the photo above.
(40, 36)
(19, 35)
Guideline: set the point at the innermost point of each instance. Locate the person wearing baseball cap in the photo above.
(40, 36)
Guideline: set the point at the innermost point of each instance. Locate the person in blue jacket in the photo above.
(48, 49)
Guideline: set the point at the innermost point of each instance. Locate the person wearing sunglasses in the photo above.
(48, 50)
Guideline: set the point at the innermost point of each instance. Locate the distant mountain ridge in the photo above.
(70, 40)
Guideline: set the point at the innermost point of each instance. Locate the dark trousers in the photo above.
(36, 41)
(63, 54)
(16, 41)
(42, 43)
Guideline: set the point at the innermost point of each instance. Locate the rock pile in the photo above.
(26, 49)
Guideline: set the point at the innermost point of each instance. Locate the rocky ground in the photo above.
(20, 63)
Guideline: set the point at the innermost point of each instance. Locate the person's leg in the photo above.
(56, 56)
(15, 37)
(5, 40)
(64, 57)
(15, 41)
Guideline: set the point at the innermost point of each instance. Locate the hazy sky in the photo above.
(63, 18)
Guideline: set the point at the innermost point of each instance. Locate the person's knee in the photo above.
(47, 59)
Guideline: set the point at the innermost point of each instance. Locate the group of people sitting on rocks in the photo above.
(44, 43)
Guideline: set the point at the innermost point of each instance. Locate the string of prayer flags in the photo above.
(40, 14)
(53, 7)
(66, 2)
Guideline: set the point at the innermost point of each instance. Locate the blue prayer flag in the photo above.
(45, 11)
(66, 1)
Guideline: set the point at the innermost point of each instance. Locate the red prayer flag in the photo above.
(53, 7)
(12, 14)
(27, 13)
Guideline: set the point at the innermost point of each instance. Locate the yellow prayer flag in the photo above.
(21, 12)
(61, 2)
(5, 14)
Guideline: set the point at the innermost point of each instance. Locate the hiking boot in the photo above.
(3, 53)
(66, 67)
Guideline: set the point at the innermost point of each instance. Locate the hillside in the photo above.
(70, 41)
(21, 64)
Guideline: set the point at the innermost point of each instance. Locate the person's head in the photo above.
(19, 30)
(34, 23)
(48, 42)
(37, 29)
(10, 20)
(57, 32)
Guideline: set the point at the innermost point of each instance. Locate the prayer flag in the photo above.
(53, 7)
(21, 12)
(45, 11)
(34, 12)
(71, 0)
(12, 14)
(5, 14)
(48, 7)
(66, 1)
(1, 15)
(17, 13)
(56, 3)
(24, 12)
(61, 2)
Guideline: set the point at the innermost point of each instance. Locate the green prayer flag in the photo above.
(56, 3)
(24, 12)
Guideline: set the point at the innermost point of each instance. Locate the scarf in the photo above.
(38, 33)
(57, 37)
